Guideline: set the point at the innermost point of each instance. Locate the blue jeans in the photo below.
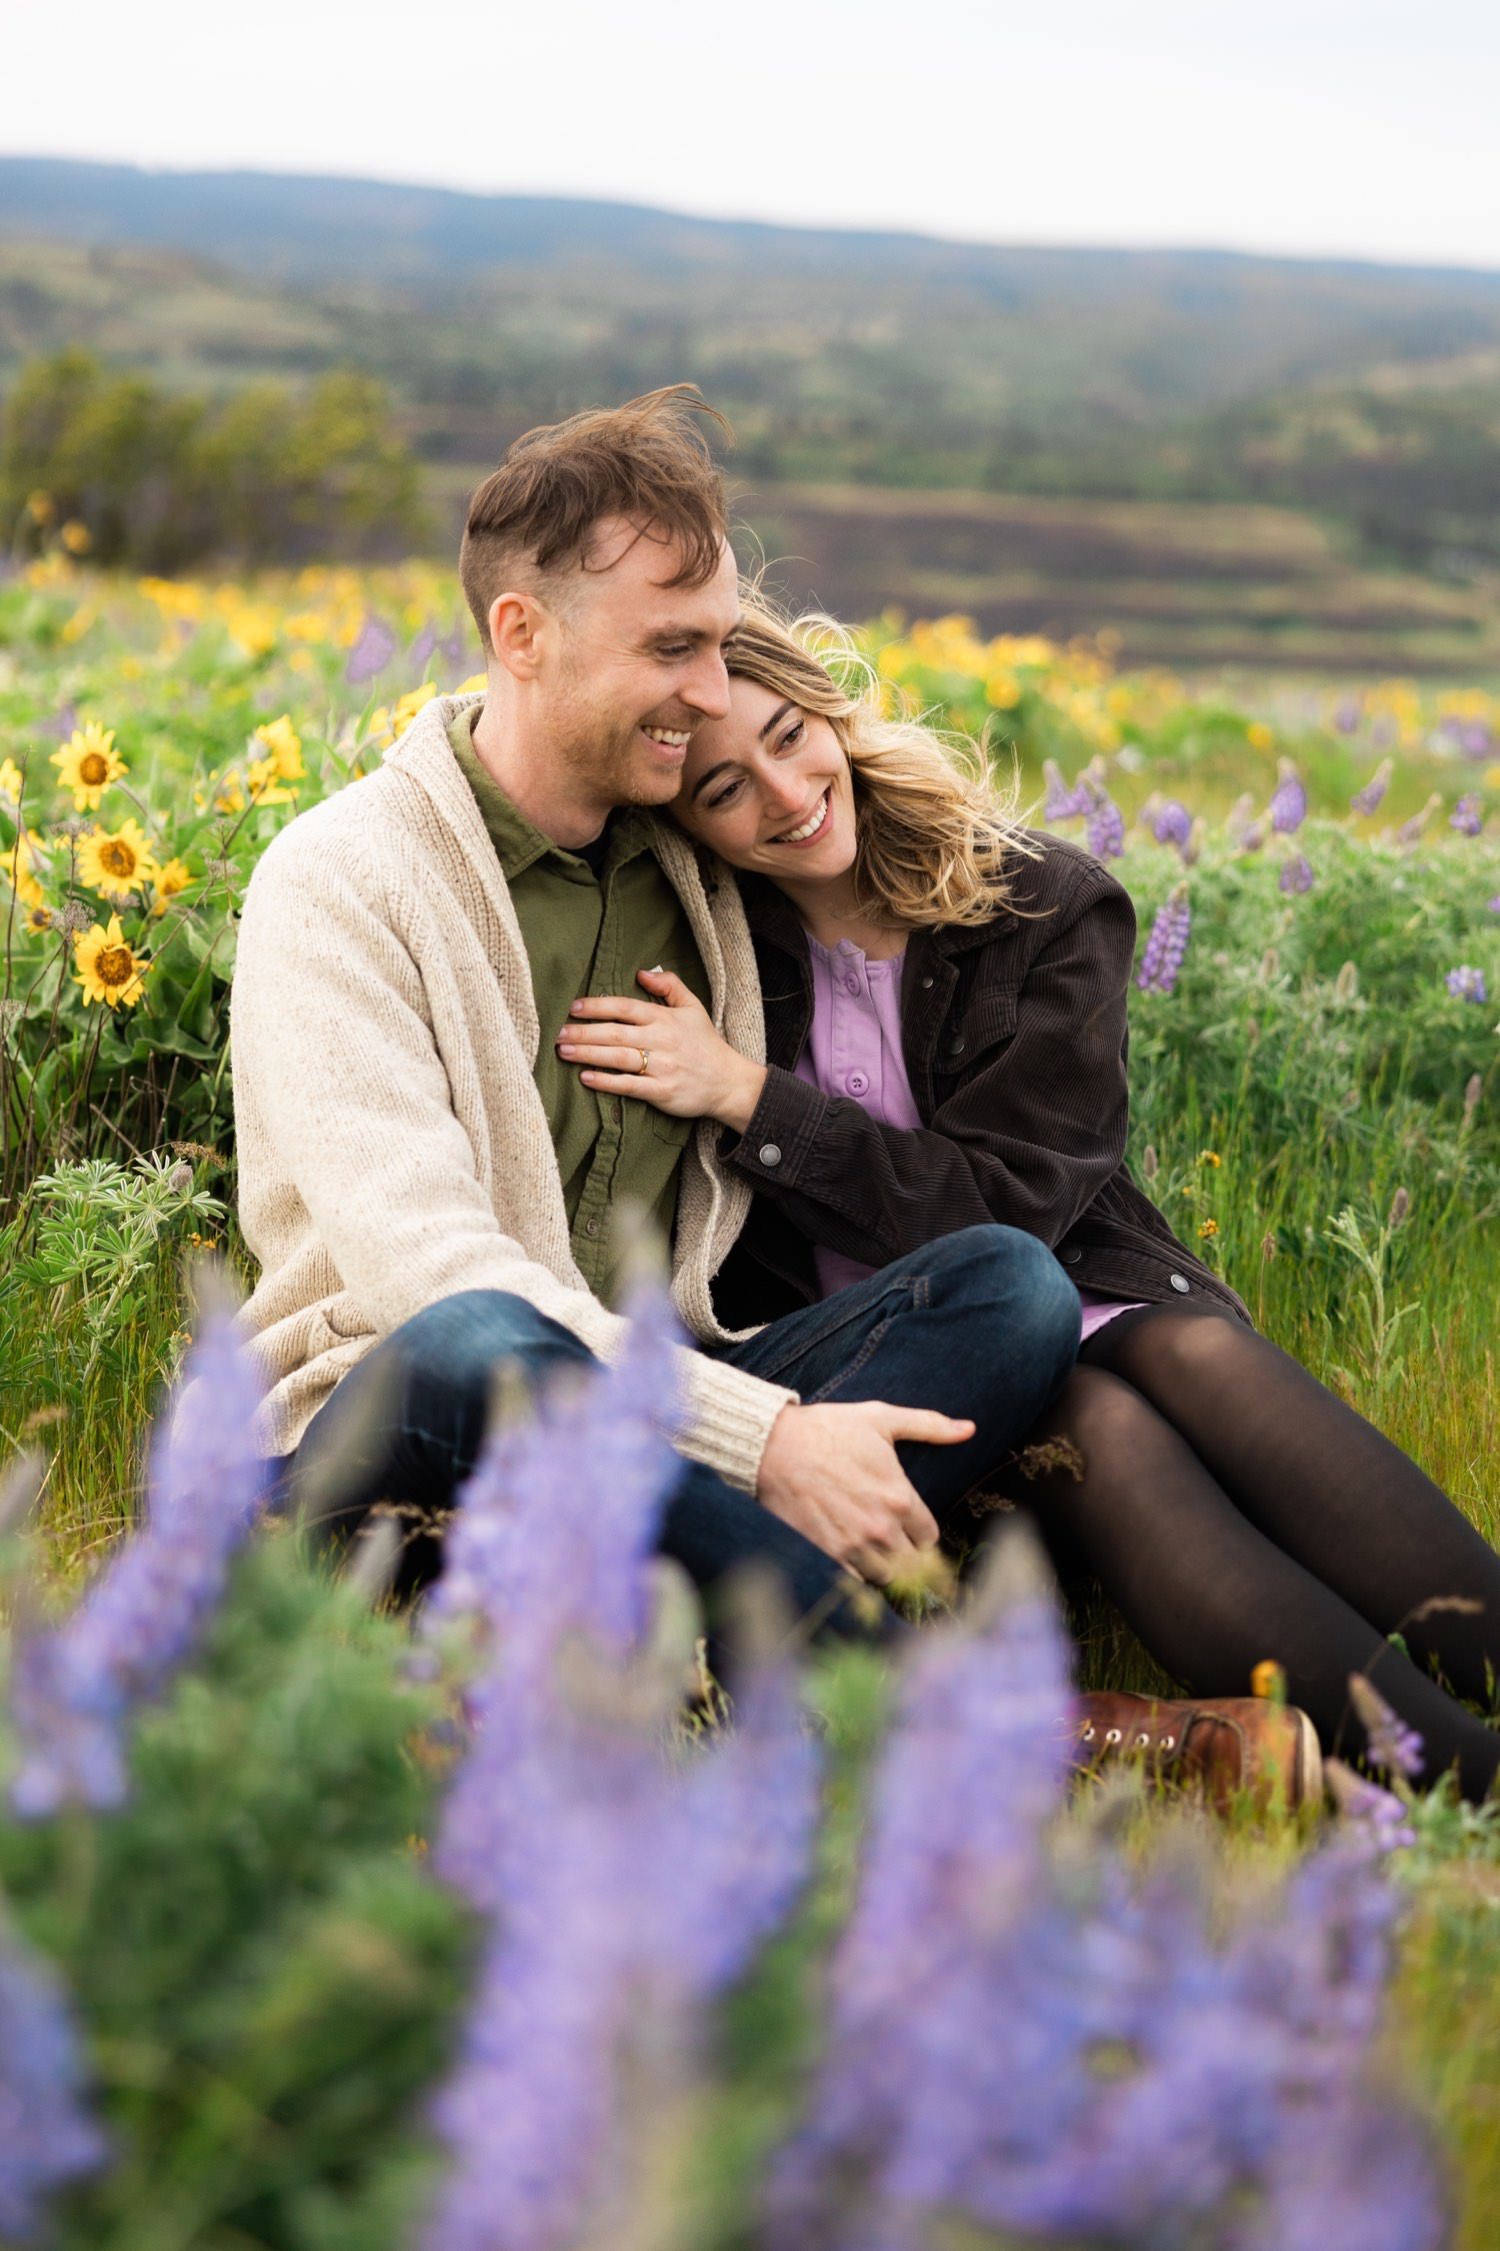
(981, 1323)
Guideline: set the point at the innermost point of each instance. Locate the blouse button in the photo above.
(770, 1154)
(851, 984)
(857, 1083)
(1181, 1284)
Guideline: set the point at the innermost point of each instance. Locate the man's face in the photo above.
(638, 663)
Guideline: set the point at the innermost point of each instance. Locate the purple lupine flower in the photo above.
(1411, 832)
(627, 1890)
(1026, 2038)
(47, 2139)
(1172, 823)
(1167, 944)
(421, 649)
(1477, 740)
(1346, 715)
(73, 1687)
(373, 649)
(1468, 815)
(1063, 801)
(1288, 799)
(1493, 905)
(1297, 874)
(1367, 800)
(1376, 1817)
(453, 645)
(1105, 834)
(1390, 1743)
(1243, 829)
(1466, 983)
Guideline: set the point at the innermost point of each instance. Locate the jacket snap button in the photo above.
(770, 1154)
(1071, 1258)
(956, 1046)
(1181, 1284)
(926, 984)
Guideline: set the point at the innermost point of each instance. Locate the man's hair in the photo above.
(533, 518)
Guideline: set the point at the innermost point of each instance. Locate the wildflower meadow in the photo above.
(508, 1926)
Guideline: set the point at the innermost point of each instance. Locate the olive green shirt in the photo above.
(589, 934)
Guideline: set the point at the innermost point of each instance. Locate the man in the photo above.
(429, 1189)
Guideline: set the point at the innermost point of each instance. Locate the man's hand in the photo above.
(831, 1473)
(694, 1072)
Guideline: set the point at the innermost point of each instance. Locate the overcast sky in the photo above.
(1346, 127)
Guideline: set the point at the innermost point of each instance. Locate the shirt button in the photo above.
(591, 1227)
(770, 1154)
(857, 1083)
(1181, 1284)
(1071, 1258)
(851, 984)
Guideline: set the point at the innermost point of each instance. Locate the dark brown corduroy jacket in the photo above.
(1015, 1042)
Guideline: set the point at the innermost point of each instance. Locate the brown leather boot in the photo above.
(1225, 1747)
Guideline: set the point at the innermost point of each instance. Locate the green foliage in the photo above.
(266, 1976)
(160, 482)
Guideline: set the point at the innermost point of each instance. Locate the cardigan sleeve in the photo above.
(1028, 1136)
(336, 1060)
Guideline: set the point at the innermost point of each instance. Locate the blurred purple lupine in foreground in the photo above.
(1028, 2038)
(1288, 799)
(46, 2137)
(1391, 1743)
(373, 649)
(1368, 799)
(1166, 947)
(1467, 983)
(1297, 875)
(1468, 816)
(421, 649)
(73, 1687)
(626, 1890)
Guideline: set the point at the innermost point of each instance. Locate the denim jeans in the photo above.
(981, 1323)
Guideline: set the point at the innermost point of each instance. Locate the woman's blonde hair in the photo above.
(933, 833)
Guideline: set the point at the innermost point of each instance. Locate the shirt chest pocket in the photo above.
(975, 1032)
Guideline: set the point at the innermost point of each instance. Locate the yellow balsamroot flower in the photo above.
(39, 916)
(475, 685)
(229, 797)
(107, 968)
(41, 507)
(76, 537)
(1259, 736)
(116, 863)
(17, 865)
(283, 744)
(10, 781)
(79, 623)
(170, 878)
(1002, 691)
(265, 789)
(87, 763)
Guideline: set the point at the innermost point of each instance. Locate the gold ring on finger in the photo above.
(645, 1057)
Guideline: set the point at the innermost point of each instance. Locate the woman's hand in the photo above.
(692, 1072)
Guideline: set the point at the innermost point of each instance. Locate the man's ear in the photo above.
(518, 624)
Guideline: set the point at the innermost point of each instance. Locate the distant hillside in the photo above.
(1364, 400)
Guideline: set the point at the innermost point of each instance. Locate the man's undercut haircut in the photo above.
(533, 519)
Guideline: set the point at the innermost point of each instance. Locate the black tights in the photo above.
(1233, 1509)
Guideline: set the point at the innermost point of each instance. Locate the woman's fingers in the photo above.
(611, 1055)
(616, 1008)
(669, 985)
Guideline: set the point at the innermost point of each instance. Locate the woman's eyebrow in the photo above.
(725, 764)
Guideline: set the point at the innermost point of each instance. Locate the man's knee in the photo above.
(460, 1341)
(1006, 1273)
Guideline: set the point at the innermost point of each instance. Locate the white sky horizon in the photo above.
(1344, 129)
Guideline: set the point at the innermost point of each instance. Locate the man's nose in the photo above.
(707, 686)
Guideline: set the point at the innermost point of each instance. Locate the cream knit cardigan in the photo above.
(393, 1148)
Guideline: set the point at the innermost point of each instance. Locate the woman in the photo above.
(946, 1034)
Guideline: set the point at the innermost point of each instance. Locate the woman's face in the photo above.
(768, 787)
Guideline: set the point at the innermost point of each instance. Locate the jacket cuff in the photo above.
(783, 1131)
